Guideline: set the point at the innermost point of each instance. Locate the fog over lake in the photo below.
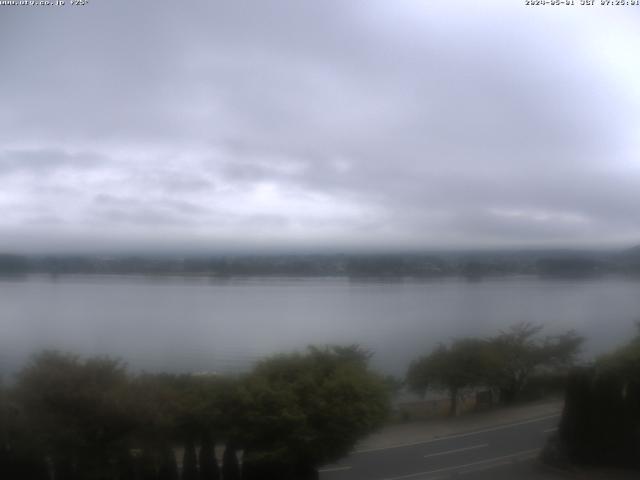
(336, 138)
(198, 324)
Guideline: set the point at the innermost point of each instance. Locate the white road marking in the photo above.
(457, 450)
(483, 468)
(524, 455)
(334, 469)
(457, 435)
(466, 465)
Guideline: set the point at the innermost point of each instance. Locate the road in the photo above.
(499, 452)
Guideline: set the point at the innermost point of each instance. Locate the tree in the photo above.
(460, 365)
(601, 416)
(519, 351)
(21, 454)
(76, 409)
(92, 421)
(306, 409)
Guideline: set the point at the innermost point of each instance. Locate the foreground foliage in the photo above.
(600, 424)
(68, 418)
(306, 410)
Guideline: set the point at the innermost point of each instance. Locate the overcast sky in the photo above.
(318, 124)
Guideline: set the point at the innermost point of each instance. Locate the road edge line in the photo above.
(456, 435)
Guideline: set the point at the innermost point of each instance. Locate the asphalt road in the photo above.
(500, 452)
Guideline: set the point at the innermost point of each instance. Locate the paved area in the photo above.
(428, 430)
(497, 445)
(506, 450)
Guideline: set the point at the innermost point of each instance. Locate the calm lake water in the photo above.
(187, 324)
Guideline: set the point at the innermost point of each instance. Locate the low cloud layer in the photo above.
(299, 124)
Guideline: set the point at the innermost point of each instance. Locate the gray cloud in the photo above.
(44, 160)
(378, 123)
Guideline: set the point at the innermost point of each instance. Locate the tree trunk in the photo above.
(453, 410)
(168, 465)
(208, 463)
(189, 462)
(146, 466)
(63, 467)
(230, 467)
(125, 466)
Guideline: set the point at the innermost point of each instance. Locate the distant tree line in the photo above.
(504, 363)
(398, 265)
(66, 418)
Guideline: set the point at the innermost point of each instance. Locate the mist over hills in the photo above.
(470, 264)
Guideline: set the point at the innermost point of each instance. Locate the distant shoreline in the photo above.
(547, 264)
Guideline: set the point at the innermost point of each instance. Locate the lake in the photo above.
(199, 324)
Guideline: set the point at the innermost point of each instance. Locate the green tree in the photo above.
(601, 418)
(306, 409)
(519, 351)
(21, 454)
(454, 367)
(76, 410)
